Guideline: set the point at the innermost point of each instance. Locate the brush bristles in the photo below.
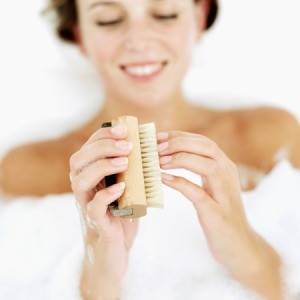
(151, 167)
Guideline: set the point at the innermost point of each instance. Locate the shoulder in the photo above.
(264, 116)
(271, 134)
(44, 149)
(35, 164)
(270, 117)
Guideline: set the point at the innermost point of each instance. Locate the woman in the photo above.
(141, 50)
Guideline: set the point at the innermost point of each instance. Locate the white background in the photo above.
(251, 56)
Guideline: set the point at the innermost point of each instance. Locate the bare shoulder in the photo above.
(255, 139)
(38, 168)
(271, 134)
(43, 167)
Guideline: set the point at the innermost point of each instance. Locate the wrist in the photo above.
(262, 273)
(103, 271)
(98, 288)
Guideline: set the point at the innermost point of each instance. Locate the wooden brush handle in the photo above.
(133, 203)
(134, 196)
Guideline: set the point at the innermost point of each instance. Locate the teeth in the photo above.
(143, 70)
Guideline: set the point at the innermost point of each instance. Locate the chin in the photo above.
(153, 101)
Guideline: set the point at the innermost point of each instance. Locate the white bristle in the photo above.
(151, 168)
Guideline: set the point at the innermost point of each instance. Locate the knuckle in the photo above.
(72, 160)
(103, 167)
(179, 141)
(102, 143)
(100, 132)
(100, 169)
(75, 164)
(176, 142)
(233, 166)
(108, 147)
(98, 148)
(84, 186)
(97, 134)
(91, 209)
(173, 143)
(80, 185)
(177, 159)
(173, 133)
(182, 181)
(74, 186)
(214, 168)
(214, 149)
(201, 193)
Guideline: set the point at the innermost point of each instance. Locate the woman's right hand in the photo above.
(107, 238)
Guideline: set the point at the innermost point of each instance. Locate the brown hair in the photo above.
(66, 17)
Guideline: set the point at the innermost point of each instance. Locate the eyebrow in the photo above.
(104, 3)
(111, 3)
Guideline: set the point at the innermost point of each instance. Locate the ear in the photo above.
(78, 38)
(202, 8)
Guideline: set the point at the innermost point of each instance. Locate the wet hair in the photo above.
(66, 17)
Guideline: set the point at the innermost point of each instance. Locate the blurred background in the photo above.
(250, 57)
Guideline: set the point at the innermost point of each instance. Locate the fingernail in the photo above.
(120, 161)
(168, 177)
(162, 146)
(165, 159)
(162, 136)
(117, 187)
(119, 129)
(123, 145)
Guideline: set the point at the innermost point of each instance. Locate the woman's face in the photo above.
(140, 48)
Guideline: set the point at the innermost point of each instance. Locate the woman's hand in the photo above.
(107, 238)
(232, 241)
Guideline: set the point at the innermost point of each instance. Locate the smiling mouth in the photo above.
(143, 71)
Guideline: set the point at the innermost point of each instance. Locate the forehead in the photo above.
(130, 2)
(132, 5)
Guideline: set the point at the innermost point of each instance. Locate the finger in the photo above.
(116, 132)
(84, 183)
(202, 202)
(201, 165)
(199, 145)
(98, 150)
(205, 167)
(97, 208)
(162, 136)
(218, 181)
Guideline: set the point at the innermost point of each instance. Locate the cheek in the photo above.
(99, 47)
(183, 37)
(182, 41)
(101, 50)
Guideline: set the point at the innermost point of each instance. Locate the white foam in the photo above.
(41, 246)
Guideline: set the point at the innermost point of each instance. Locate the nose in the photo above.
(138, 37)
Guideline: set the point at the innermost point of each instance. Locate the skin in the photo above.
(219, 141)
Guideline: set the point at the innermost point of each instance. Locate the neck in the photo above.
(173, 114)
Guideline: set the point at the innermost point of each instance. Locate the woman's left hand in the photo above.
(231, 239)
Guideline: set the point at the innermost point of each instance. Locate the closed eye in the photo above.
(166, 17)
(159, 17)
(109, 23)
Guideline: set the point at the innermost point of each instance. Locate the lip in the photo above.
(144, 78)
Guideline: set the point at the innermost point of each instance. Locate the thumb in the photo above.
(206, 207)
